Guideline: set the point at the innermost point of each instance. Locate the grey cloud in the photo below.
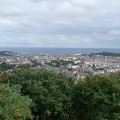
(72, 23)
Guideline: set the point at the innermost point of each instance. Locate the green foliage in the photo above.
(5, 66)
(98, 98)
(13, 106)
(57, 97)
(93, 66)
(51, 92)
(36, 63)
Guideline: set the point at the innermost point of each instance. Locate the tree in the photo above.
(5, 66)
(51, 92)
(58, 97)
(98, 98)
(13, 106)
(93, 66)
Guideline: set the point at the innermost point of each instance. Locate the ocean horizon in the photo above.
(58, 51)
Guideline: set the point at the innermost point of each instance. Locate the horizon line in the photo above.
(60, 47)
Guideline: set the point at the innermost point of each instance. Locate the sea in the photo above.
(58, 51)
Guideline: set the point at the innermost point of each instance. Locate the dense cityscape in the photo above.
(79, 66)
(59, 59)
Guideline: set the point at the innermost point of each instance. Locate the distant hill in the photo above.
(7, 53)
(106, 54)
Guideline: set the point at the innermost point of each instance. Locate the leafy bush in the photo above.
(58, 97)
(13, 106)
(98, 98)
(51, 92)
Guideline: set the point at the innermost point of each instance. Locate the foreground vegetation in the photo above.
(45, 95)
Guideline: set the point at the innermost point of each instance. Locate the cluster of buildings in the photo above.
(78, 66)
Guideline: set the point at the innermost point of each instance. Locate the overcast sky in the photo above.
(60, 23)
